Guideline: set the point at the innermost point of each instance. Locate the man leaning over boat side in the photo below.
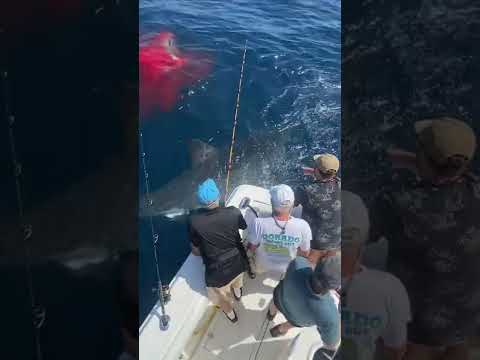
(308, 297)
(321, 206)
(277, 240)
(214, 235)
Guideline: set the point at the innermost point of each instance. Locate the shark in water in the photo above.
(176, 198)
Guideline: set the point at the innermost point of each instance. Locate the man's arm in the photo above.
(393, 341)
(330, 333)
(242, 224)
(194, 239)
(401, 159)
(253, 237)
(304, 248)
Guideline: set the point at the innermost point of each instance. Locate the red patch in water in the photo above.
(164, 72)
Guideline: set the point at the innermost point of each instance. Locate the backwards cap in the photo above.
(282, 196)
(446, 138)
(208, 192)
(327, 163)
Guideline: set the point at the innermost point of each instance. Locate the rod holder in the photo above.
(164, 322)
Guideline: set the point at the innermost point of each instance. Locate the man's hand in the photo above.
(252, 247)
(303, 253)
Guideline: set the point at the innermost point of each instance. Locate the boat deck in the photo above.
(220, 339)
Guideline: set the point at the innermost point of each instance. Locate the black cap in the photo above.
(327, 274)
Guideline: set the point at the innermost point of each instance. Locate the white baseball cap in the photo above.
(282, 196)
(355, 219)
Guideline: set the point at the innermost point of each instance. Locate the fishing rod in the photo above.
(235, 122)
(161, 290)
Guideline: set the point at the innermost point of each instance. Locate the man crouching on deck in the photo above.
(214, 236)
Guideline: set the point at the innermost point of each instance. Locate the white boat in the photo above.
(199, 331)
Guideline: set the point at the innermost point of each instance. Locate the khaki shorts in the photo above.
(224, 293)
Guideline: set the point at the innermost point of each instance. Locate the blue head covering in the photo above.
(208, 192)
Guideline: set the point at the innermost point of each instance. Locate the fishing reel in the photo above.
(163, 293)
(166, 293)
(164, 322)
(164, 296)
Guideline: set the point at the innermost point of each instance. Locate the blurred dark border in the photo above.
(403, 62)
(72, 87)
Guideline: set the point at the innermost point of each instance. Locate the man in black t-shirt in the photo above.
(214, 235)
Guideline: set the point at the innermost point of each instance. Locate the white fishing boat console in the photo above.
(197, 330)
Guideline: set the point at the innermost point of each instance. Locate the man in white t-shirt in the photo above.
(375, 304)
(278, 239)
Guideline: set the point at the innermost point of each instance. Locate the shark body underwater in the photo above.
(253, 165)
(177, 197)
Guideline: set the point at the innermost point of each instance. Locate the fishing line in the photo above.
(235, 121)
(38, 312)
(264, 329)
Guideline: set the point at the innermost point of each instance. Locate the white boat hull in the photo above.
(199, 331)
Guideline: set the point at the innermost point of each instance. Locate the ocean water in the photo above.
(290, 98)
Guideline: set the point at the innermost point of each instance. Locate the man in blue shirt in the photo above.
(307, 297)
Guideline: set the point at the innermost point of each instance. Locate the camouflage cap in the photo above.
(446, 138)
(326, 163)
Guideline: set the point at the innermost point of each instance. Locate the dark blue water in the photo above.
(291, 97)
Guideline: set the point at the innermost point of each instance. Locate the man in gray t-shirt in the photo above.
(305, 298)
